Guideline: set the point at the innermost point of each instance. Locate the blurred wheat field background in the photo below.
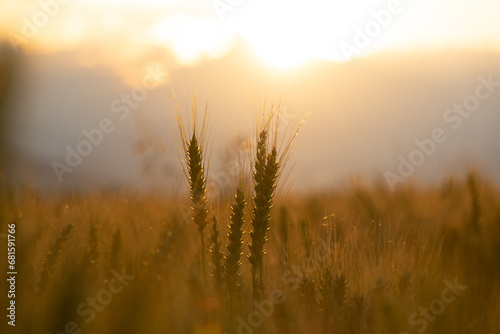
(361, 260)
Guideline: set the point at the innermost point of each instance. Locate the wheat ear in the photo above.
(234, 247)
(265, 176)
(51, 256)
(194, 169)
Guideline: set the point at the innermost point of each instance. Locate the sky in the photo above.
(281, 33)
(374, 77)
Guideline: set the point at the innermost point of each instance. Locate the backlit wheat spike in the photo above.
(358, 314)
(306, 236)
(307, 291)
(88, 262)
(194, 169)
(340, 301)
(234, 247)
(216, 257)
(197, 191)
(326, 288)
(340, 290)
(50, 258)
(265, 175)
(92, 250)
(197, 183)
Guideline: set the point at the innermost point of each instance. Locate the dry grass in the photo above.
(351, 275)
(361, 261)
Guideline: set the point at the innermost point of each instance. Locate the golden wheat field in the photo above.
(249, 167)
(359, 261)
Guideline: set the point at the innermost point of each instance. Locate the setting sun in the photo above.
(283, 34)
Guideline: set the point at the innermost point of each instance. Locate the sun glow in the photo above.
(190, 38)
(281, 54)
(288, 33)
(283, 34)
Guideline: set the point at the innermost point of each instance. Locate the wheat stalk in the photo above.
(92, 252)
(268, 165)
(51, 256)
(234, 248)
(265, 176)
(284, 220)
(193, 166)
(217, 257)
